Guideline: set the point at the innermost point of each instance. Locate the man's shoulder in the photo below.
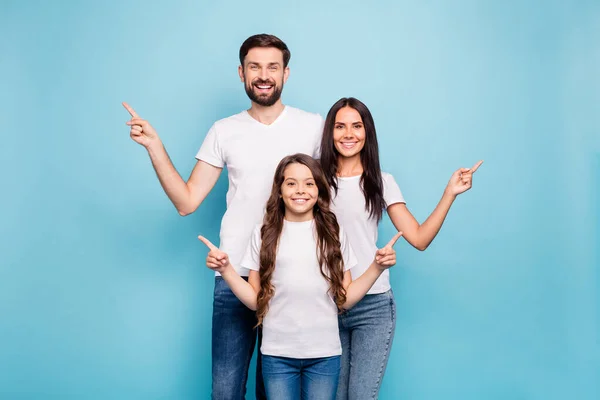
(232, 120)
(304, 115)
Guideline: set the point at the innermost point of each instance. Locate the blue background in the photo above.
(103, 289)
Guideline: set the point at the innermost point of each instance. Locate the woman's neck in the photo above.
(349, 166)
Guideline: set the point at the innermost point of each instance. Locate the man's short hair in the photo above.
(264, 40)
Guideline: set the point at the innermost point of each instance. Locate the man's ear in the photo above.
(241, 73)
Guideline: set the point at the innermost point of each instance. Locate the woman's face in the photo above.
(348, 132)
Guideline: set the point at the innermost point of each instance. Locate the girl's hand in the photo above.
(216, 260)
(462, 180)
(386, 256)
(141, 131)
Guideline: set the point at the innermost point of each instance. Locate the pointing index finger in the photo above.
(392, 242)
(208, 243)
(130, 110)
(474, 168)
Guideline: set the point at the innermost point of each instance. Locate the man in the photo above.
(250, 144)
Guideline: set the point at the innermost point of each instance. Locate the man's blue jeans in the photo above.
(233, 339)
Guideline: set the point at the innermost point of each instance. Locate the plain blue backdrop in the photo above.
(103, 289)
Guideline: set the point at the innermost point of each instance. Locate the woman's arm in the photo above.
(418, 235)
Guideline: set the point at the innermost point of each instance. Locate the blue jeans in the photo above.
(233, 340)
(366, 332)
(295, 378)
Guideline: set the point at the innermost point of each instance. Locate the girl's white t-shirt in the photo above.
(349, 207)
(302, 320)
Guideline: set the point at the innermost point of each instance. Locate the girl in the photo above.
(299, 281)
(361, 193)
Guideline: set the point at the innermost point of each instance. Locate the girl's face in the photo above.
(348, 132)
(299, 193)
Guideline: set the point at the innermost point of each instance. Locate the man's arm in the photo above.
(185, 196)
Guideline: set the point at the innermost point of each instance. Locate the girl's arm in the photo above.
(418, 235)
(245, 291)
(357, 289)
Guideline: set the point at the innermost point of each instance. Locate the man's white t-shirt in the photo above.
(251, 151)
(302, 320)
(349, 208)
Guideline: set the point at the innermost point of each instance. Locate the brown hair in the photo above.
(264, 40)
(371, 181)
(327, 228)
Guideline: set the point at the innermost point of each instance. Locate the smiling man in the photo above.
(250, 144)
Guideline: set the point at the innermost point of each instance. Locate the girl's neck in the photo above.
(291, 216)
(349, 166)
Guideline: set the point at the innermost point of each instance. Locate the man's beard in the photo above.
(263, 100)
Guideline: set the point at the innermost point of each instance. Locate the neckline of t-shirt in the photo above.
(348, 178)
(279, 117)
(298, 223)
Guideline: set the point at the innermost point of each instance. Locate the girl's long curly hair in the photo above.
(327, 233)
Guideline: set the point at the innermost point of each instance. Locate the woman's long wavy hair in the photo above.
(371, 181)
(327, 234)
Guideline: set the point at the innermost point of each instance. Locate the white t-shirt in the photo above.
(349, 208)
(251, 151)
(302, 320)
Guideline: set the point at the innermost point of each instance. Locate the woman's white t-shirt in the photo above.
(302, 320)
(349, 207)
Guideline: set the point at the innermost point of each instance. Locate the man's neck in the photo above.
(266, 115)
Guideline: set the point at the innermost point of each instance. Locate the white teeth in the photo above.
(263, 87)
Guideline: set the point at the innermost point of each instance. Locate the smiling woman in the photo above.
(362, 192)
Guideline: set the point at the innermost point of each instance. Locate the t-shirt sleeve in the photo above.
(318, 135)
(391, 191)
(348, 255)
(251, 259)
(211, 151)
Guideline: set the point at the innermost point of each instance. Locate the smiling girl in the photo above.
(299, 282)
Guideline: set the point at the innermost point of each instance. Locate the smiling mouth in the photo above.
(300, 201)
(348, 145)
(264, 88)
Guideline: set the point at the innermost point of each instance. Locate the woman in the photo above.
(361, 193)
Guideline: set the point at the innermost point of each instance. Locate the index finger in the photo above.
(392, 242)
(208, 243)
(474, 168)
(130, 110)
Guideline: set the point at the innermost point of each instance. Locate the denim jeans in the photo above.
(233, 340)
(295, 378)
(366, 332)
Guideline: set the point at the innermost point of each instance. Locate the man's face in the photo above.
(263, 75)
